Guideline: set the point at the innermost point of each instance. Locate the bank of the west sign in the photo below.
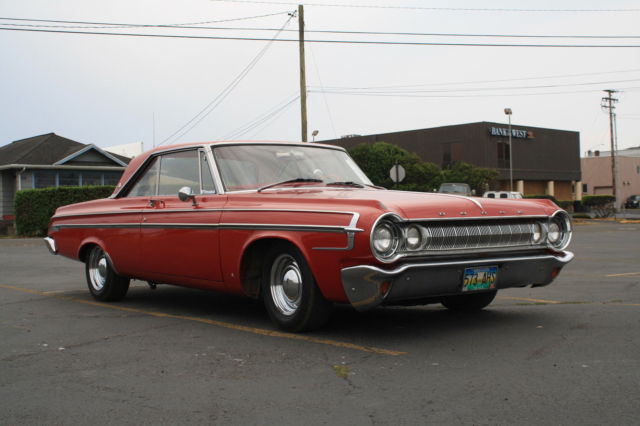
(521, 134)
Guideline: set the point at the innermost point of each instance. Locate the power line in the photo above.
(445, 9)
(202, 114)
(355, 42)
(125, 25)
(251, 125)
(408, 95)
(480, 81)
(109, 25)
(481, 89)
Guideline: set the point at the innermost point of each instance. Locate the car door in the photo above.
(180, 240)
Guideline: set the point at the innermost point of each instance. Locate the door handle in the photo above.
(158, 204)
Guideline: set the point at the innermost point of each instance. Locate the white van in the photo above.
(502, 194)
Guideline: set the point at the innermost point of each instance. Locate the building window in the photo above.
(451, 153)
(585, 188)
(503, 155)
(111, 178)
(45, 178)
(68, 178)
(53, 178)
(91, 178)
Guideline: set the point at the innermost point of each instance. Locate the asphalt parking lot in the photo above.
(565, 354)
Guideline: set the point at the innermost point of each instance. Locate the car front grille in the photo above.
(490, 234)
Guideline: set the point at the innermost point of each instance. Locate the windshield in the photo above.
(454, 188)
(248, 167)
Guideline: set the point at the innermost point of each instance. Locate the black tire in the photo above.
(289, 291)
(469, 302)
(104, 284)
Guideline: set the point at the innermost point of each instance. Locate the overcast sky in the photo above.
(107, 90)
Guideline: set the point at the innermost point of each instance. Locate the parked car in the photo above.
(455, 188)
(633, 202)
(502, 194)
(301, 226)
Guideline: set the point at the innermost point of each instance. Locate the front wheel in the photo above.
(104, 284)
(469, 302)
(290, 293)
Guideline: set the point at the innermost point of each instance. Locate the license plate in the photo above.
(480, 278)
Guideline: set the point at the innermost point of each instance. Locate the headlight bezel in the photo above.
(390, 222)
(565, 229)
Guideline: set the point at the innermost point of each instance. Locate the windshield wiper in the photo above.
(271, 185)
(354, 184)
(346, 183)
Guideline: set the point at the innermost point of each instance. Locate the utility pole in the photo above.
(303, 78)
(608, 103)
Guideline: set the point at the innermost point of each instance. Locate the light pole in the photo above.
(508, 112)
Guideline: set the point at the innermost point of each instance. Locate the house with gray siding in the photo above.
(51, 160)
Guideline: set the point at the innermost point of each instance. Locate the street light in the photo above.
(508, 112)
(314, 134)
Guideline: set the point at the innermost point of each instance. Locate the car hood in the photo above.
(409, 205)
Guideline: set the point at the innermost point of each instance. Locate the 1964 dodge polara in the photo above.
(302, 227)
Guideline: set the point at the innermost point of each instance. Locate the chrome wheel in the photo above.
(97, 269)
(103, 281)
(285, 284)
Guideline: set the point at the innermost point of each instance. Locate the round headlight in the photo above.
(537, 233)
(555, 233)
(385, 239)
(414, 237)
(559, 230)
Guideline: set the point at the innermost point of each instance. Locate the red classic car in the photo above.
(301, 226)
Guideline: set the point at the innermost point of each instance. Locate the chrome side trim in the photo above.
(51, 245)
(192, 210)
(244, 226)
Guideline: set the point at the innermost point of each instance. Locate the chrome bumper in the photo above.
(51, 245)
(368, 286)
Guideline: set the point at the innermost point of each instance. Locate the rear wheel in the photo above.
(104, 284)
(469, 302)
(290, 293)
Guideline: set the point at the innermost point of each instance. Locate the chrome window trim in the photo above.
(137, 173)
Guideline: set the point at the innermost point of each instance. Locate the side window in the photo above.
(205, 173)
(503, 195)
(178, 169)
(147, 183)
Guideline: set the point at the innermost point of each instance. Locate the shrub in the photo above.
(34, 207)
(600, 205)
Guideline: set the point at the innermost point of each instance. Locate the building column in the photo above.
(578, 187)
(551, 188)
(520, 186)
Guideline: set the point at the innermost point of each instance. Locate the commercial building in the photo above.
(597, 175)
(545, 161)
(51, 160)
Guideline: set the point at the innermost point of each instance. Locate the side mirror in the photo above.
(186, 193)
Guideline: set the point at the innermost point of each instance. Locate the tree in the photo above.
(377, 159)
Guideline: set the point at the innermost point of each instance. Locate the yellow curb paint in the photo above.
(627, 274)
(259, 331)
(526, 299)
